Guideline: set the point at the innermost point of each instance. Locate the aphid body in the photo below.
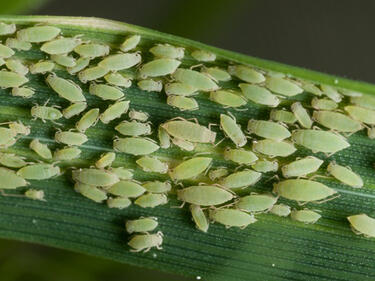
(41, 149)
(345, 175)
(240, 156)
(259, 95)
(39, 171)
(90, 191)
(240, 179)
(141, 225)
(65, 88)
(95, 177)
(11, 180)
(190, 168)
(301, 115)
(204, 195)
(144, 242)
(199, 218)
(195, 79)
(274, 148)
(232, 217)
(256, 203)
(151, 200)
(70, 138)
(232, 130)
(301, 167)
(362, 224)
(158, 67)
(283, 86)
(37, 34)
(268, 129)
(305, 216)
(105, 160)
(337, 121)
(135, 145)
(246, 74)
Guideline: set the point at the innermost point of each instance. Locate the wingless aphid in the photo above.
(95, 177)
(44, 113)
(35, 194)
(331, 93)
(150, 85)
(70, 138)
(7, 29)
(167, 51)
(205, 56)
(179, 89)
(157, 186)
(41, 149)
(345, 175)
(268, 130)
(105, 92)
(232, 217)
(152, 164)
(39, 171)
(246, 74)
(144, 242)
(259, 95)
(232, 130)
(151, 200)
(164, 139)
(190, 169)
(274, 148)
(41, 67)
(283, 86)
(217, 173)
(37, 34)
(92, 50)
(23, 92)
(283, 116)
(361, 114)
(9, 79)
(122, 173)
(119, 62)
(135, 145)
(64, 60)
(158, 67)
(74, 109)
(91, 192)
(105, 160)
(217, 73)
(5, 52)
(280, 210)
(301, 115)
(89, 119)
(130, 43)
(12, 160)
(337, 121)
(227, 98)
(240, 179)
(183, 103)
(301, 167)
(183, 144)
(66, 154)
(141, 225)
(59, 46)
(117, 79)
(240, 156)
(195, 79)
(305, 216)
(126, 188)
(265, 166)
(19, 128)
(118, 202)
(256, 203)
(16, 66)
(323, 104)
(92, 73)
(114, 111)
(7, 137)
(65, 88)
(11, 180)
(367, 101)
(81, 64)
(311, 88)
(133, 128)
(199, 218)
(204, 195)
(362, 224)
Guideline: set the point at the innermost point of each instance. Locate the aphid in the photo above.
(152, 164)
(9, 79)
(280, 210)
(14, 43)
(217, 73)
(141, 225)
(65, 88)
(283, 86)
(114, 111)
(135, 145)
(41, 149)
(303, 190)
(164, 139)
(199, 218)
(64, 60)
(81, 63)
(150, 85)
(19, 128)
(167, 51)
(283, 116)
(12, 160)
(7, 137)
(345, 175)
(311, 88)
(184, 145)
(151, 200)
(232, 130)
(41, 67)
(95, 177)
(7, 29)
(265, 166)
(157, 186)
(361, 114)
(92, 50)
(179, 89)
(227, 98)
(37, 34)
(11, 180)
(90, 118)
(122, 173)
(2, 61)
(105, 160)
(126, 188)
(190, 168)
(118, 202)
(367, 101)
(138, 115)
(259, 95)
(92, 73)
(246, 74)
(323, 104)
(45, 112)
(35, 194)
(268, 129)
(70, 138)
(120, 61)
(60, 45)
(217, 173)
(130, 43)
(350, 93)
(67, 153)
(23, 92)
(158, 67)
(182, 103)
(17, 66)
(144, 242)
(371, 133)
(117, 79)
(241, 179)
(337, 121)
(362, 224)
(320, 141)
(133, 128)
(5, 52)
(232, 217)
(302, 115)
(39, 171)
(195, 79)
(90, 191)
(301, 167)
(204, 195)
(240, 156)
(201, 55)
(274, 148)
(305, 216)
(331, 93)
(74, 109)
(105, 92)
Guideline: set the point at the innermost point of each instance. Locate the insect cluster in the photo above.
(79, 70)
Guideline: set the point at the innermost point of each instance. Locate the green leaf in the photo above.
(272, 249)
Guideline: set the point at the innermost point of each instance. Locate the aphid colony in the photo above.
(214, 196)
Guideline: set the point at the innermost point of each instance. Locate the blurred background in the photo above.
(330, 36)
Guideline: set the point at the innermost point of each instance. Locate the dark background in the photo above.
(335, 37)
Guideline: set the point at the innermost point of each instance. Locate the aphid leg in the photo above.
(179, 207)
(54, 122)
(240, 109)
(219, 142)
(159, 247)
(319, 176)
(273, 177)
(195, 66)
(328, 199)
(194, 119)
(231, 115)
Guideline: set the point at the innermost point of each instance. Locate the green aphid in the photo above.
(92, 50)
(195, 79)
(301, 115)
(122, 173)
(119, 62)
(114, 111)
(240, 156)
(23, 92)
(301, 167)
(39, 33)
(241, 179)
(204, 195)
(232, 130)
(199, 218)
(7, 29)
(11, 180)
(152, 164)
(151, 200)
(190, 169)
(10, 79)
(67, 153)
(164, 139)
(5, 52)
(367, 101)
(362, 224)
(19, 128)
(157, 186)
(183, 144)
(70, 138)
(16, 66)
(331, 93)
(345, 175)
(41, 149)
(42, 67)
(246, 73)
(305, 216)
(217, 73)
(167, 51)
(89, 119)
(133, 128)
(144, 242)
(179, 89)
(183, 103)
(280, 210)
(228, 98)
(268, 129)
(45, 113)
(283, 116)
(126, 188)
(141, 225)
(59, 46)
(64, 60)
(7, 137)
(323, 104)
(217, 173)
(135, 145)
(91, 192)
(283, 86)
(74, 109)
(158, 67)
(337, 121)
(265, 166)
(130, 43)
(2, 61)
(92, 73)
(95, 177)
(274, 148)
(105, 92)
(150, 85)
(12, 160)
(35, 194)
(205, 56)
(39, 171)
(311, 88)
(232, 217)
(117, 79)
(138, 115)
(361, 114)
(65, 88)
(371, 133)
(105, 160)
(118, 202)
(259, 95)
(81, 63)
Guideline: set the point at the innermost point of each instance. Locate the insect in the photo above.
(14, 43)
(92, 73)
(232, 217)
(265, 166)
(241, 179)
(35, 194)
(246, 74)
(320, 141)
(240, 156)
(120, 61)
(337, 121)
(217, 173)
(138, 115)
(301, 167)
(150, 85)
(303, 190)
(201, 55)
(133, 128)
(117, 79)
(37, 34)
(183, 103)
(11, 180)
(157, 186)
(105, 160)
(183, 144)
(268, 129)
(350, 93)
(130, 43)
(41, 149)
(274, 148)
(283, 86)
(105, 92)
(164, 139)
(361, 114)
(23, 92)
(42, 67)
(371, 133)
(7, 29)
(39, 171)
(135, 145)
(311, 88)
(158, 67)
(9, 79)
(151, 200)
(345, 175)
(12, 160)
(179, 89)
(323, 104)
(92, 50)
(74, 109)
(195, 79)
(59, 46)
(367, 101)
(259, 95)
(81, 63)
(118, 202)
(70, 138)
(227, 98)
(65, 88)
(64, 60)
(19, 128)
(190, 168)
(44, 112)
(7, 137)
(216, 73)
(90, 118)
(199, 218)
(305, 216)
(362, 224)
(301, 115)
(152, 164)
(5, 52)
(144, 242)
(122, 173)
(280, 210)
(67, 153)
(91, 192)
(283, 116)
(232, 130)
(141, 225)
(95, 177)
(204, 195)
(126, 188)
(167, 51)
(17, 66)
(331, 93)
